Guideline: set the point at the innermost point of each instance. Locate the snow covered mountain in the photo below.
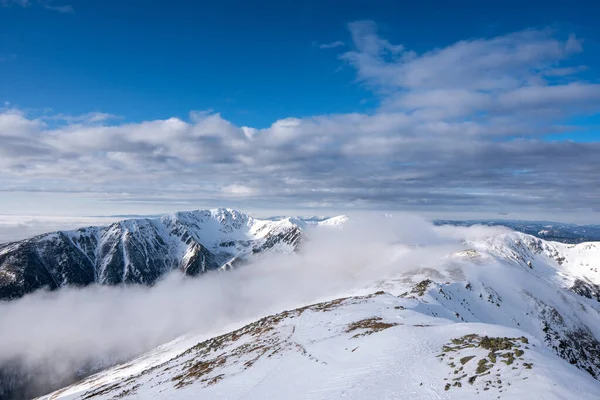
(509, 316)
(139, 251)
(554, 231)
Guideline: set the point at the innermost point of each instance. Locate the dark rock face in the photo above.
(586, 289)
(292, 236)
(22, 271)
(137, 251)
(579, 347)
(576, 344)
(201, 261)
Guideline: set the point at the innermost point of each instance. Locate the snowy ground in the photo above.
(497, 319)
(373, 347)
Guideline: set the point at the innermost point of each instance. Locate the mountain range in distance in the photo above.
(553, 231)
(509, 316)
(505, 314)
(140, 251)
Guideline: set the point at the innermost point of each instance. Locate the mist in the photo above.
(63, 334)
(18, 227)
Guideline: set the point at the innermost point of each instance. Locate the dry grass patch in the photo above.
(369, 326)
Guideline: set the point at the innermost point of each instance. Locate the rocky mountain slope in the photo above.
(140, 251)
(509, 316)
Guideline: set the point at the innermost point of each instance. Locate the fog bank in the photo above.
(74, 328)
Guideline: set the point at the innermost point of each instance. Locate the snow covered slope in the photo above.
(364, 347)
(142, 250)
(508, 316)
(553, 231)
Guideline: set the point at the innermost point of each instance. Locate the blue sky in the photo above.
(115, 107)
(255, 62)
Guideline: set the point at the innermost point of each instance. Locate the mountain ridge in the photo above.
(499, 286)
(548, 230)
(140, 251)
(512, 303)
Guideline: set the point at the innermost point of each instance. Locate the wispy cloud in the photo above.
(64, 9)
(22, 3)
(470, 76)
(88, 118)
(47, 4)
(8, 57)
(565, 71)
(499, 63)
(332, 45)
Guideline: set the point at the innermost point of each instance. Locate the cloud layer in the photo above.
(94, 326)
(468, 126)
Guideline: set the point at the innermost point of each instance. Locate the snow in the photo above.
(387, 339)
(313, 354)
(147, 248)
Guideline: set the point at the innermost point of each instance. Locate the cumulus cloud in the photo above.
(468, 126)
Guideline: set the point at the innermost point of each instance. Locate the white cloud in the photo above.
(64, 9)
(499, 63)
(88, 118)
(497, 75)
(47, 4)
(22, 3)
(238, 190)
(332, 45)
(572, 94)
(566, 71)
(78, 328)
(368, 43)
(17, 227)
(454, 126)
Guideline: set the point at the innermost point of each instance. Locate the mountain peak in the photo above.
(141, 250)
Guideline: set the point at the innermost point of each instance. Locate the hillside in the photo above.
(510, 316)
(376, 346)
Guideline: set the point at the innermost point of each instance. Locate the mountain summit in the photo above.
(140, 251)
